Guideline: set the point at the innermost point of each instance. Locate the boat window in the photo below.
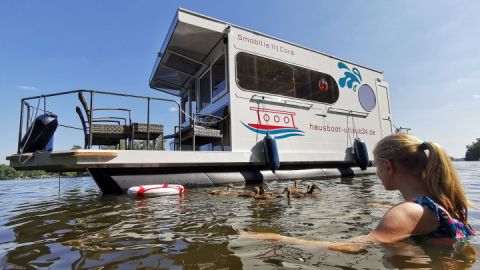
(205, 90)
(218, 76)
(275, 77)
(366, 96)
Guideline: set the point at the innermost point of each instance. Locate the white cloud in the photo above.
(461, 80)
(173, 109)
(27, 87)
(476, 96)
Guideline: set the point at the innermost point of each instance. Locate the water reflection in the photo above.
(424, 253)
(82, 229)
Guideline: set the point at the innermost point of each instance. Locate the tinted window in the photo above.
(270, 76)
(218, 76)
(205, 90)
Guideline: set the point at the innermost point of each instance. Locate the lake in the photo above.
(72, 225)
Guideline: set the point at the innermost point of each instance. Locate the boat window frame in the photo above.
(189, 96)
(219, 51)
(225, 89)
(199, 101)
(279, 95)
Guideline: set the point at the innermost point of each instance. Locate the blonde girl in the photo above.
(434, 200)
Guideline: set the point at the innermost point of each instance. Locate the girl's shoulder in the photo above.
(409, 210)
(404, 220)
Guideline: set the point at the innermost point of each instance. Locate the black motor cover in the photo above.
(39, 133)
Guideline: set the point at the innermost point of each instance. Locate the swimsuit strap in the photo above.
(448, 226)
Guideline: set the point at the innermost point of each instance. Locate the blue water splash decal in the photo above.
(352, 78)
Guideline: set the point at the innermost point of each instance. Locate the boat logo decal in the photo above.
(352, 78)
(279, 124)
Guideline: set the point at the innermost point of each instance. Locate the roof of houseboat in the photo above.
(190, 39)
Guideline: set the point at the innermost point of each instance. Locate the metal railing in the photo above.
(90, 119)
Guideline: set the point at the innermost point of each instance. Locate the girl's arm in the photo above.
(354, 245)
(400, 222)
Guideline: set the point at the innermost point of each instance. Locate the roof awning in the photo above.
(191, 38)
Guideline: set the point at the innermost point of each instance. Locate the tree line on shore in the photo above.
(7, 173)
(473, 151)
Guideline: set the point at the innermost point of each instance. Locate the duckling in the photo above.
(297, 195)
(262, 195)
(221, 192)
(295, 189)
(314, 189)
(249, 193)
(262, 188)
(267, 196)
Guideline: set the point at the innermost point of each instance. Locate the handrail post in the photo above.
(90, 135)
(21, 126)
(28, 114)
(179, 127)
(148, 123)
(130, 140)
(193, 132)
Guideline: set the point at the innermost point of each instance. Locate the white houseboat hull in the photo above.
(115, 171)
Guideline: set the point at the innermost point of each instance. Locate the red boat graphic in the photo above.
(280, 124)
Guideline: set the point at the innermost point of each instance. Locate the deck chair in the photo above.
(102, 134)
(141, 131)
(204, 129)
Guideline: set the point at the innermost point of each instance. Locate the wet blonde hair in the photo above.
(429, 161)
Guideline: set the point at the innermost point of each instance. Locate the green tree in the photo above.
(156, 144)
(76, 147)
(7, 172)
(473, 151)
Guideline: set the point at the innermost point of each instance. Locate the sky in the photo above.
(428, 50)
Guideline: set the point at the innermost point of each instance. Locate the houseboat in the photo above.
(234, 87)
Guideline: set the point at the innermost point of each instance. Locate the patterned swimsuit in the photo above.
(449, 227)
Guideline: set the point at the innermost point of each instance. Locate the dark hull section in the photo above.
(118, 180)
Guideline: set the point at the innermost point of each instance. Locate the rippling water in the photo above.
(75, 226)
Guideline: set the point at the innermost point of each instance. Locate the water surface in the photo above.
(44, 225)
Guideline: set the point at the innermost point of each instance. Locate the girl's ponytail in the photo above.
(443, 182)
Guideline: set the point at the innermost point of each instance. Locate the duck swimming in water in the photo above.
(267, 196)
(262, 195)
(311, 190)
(295, 189)
(290, 194)
(221, 192)
(249, 193)
(314, 189)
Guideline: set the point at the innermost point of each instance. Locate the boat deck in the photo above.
(87, 158)
(117, 170)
